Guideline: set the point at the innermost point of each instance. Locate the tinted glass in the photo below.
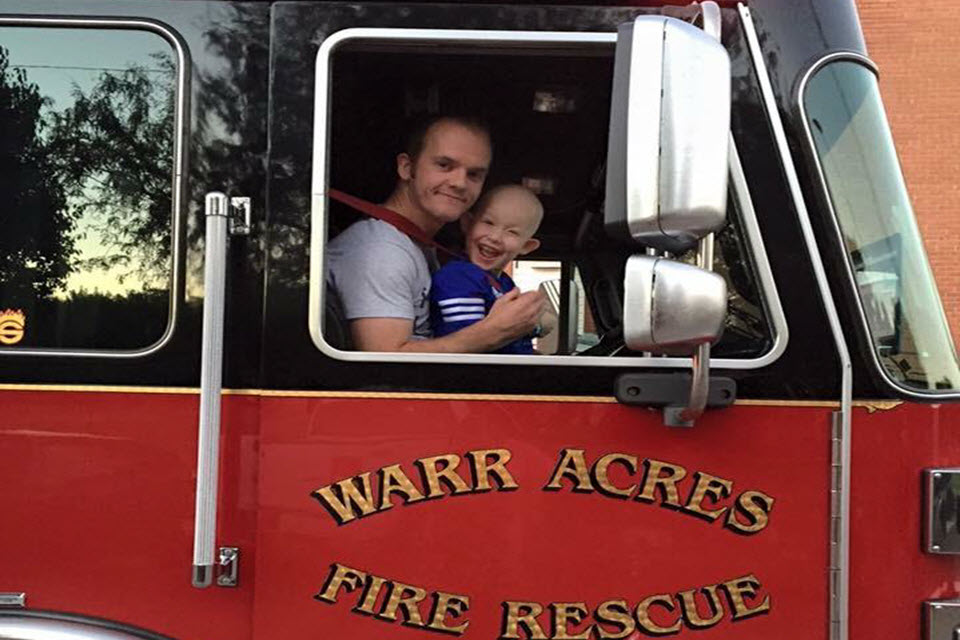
(87, 154)
(893, 279)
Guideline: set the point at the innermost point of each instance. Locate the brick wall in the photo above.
(915, 44)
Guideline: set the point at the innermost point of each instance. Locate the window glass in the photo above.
(87, 125)
(893, 279)
(548, 111)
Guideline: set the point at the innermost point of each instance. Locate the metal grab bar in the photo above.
(211, 383)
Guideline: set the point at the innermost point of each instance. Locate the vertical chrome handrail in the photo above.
(211, 382)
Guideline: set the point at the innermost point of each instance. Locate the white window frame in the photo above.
(493, 39)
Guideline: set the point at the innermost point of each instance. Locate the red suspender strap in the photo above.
(392, 218)
(400, 223)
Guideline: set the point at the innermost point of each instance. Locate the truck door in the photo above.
(117, 118)
(512, 496)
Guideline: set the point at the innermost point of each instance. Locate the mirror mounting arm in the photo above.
(685, 416)
(674, 416)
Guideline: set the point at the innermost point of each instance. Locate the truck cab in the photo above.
(182, 407)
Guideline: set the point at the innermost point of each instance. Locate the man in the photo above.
(382, 276)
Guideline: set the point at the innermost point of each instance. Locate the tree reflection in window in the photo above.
(87, 151)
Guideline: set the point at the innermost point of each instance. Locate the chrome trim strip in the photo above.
(13, 599)
(179, 159)
(771, 296)
(318, 215)
(839, 582)
(857, 58)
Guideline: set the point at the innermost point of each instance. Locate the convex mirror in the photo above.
(671, 304)
(669, 126)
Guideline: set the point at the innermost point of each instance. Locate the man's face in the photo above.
(446, 178)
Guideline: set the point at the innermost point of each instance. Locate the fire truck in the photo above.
(743, 428)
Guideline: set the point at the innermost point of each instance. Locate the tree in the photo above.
(36, 246)
(115, 155)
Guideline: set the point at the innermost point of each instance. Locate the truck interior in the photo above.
(548, 109)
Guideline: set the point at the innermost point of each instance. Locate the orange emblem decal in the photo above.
(12, 323)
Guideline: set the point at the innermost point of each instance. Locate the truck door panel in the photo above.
(359, 535)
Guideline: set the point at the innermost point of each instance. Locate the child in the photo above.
(500, 228)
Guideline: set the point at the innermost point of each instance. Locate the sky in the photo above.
(58, 60)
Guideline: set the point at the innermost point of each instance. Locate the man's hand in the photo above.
(514, 315)
(548, 321)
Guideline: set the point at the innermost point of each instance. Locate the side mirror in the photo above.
(669, 131)
(670, 304)
(667, 185)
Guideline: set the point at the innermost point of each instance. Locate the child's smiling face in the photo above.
(502, 227)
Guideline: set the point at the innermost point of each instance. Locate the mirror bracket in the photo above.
(672, 392)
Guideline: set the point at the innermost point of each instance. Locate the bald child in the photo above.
(497, 230)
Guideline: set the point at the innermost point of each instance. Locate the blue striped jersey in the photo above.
(461, 294)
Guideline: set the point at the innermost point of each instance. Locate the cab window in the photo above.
(87, 150)
(898, 297)
(548, 109)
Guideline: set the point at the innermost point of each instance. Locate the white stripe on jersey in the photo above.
(450, 301)
(463, 316)
(463, 308)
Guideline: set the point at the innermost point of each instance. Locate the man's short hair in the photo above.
(418, 134)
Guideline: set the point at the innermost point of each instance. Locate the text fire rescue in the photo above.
(660, 614)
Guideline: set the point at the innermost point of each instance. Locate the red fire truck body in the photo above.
(377, 495)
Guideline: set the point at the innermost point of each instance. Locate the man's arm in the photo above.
(512, 316)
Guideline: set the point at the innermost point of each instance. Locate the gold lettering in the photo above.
(394, 480)
(667, 483)
(456, 606)
(340, 576)
(344, 499)
(565, 614)
(647, 624)
(717, 488)
(747, 586)
(572, 465)
(525, 614)
(370, 595)
(756, 507)
(446, 472)
(406, 596)
(688, 608)
(614, 612)
(483, 468)
(602, 479)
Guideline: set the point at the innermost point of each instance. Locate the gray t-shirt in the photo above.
(379, 272)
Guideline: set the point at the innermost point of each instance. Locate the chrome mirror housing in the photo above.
(669, 130)
(671, 304)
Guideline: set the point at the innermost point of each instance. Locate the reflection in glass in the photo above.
(87, 154)
(896, 287)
